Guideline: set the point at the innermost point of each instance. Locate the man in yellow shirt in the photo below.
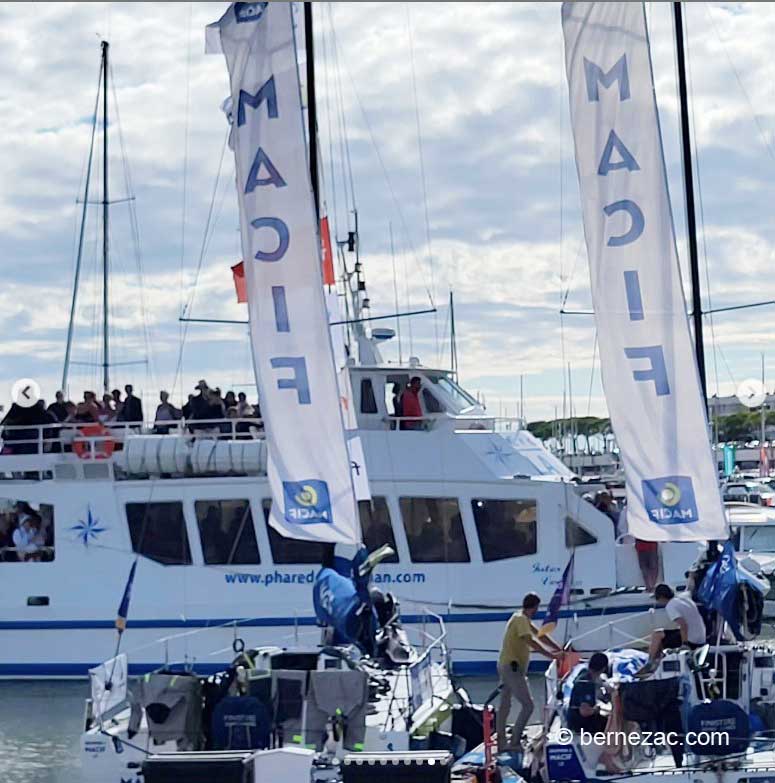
(519, 639)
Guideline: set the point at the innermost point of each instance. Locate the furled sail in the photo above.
(308, 466)
(648, 367)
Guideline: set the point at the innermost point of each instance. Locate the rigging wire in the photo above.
(592, 376)
(184, 197)
(135, 233)
(423, 181)
(701, 204)
(327, 98)
(757, 120)
(206, 237)
(388, 181)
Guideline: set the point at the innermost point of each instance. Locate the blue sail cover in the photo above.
(337, 603)
(719, 589)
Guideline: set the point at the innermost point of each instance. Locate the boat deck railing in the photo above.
(37, 448)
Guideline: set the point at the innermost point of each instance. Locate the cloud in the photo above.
(502, 197)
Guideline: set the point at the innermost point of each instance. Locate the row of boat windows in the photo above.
(433, 527)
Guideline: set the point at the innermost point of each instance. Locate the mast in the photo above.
(77, 275)
(309, 45)
(691, 220)
(105, 223)
(452, 337)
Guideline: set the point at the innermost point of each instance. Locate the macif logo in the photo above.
(249, 12)
(307, 502)
(670, 500)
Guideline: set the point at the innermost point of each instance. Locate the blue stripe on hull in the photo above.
(21, 670)
(270, 622)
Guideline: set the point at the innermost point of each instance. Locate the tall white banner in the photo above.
(308, 467)
(647, 359)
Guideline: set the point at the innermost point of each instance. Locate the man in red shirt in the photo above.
(410, 405)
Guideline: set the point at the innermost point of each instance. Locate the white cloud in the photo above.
(502, 194)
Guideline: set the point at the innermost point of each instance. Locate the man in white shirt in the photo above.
(683, 612)
(26, 538)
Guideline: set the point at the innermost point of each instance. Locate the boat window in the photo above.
(432, 405)
(158, 531)
(460, 397)
(506, 528)
(227, 533)
(376, 527)
(292, 551)
(368, 401)
(27, 531)
(577, 535)
(394, 388)
(759, 537)
(434, 530)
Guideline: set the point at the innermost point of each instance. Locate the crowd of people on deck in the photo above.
(206, 405)
(26, 534)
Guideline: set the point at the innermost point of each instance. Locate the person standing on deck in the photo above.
(132, 409)
(410, 405)
(519, 639)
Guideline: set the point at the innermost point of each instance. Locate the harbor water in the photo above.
(40, 725)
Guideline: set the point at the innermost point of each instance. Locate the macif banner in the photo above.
(647, 359)
(308, 466)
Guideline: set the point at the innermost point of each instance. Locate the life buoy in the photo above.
(103, 448)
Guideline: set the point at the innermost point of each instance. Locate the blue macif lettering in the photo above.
(300, 381)
(634, 298)
(265, 93)
(636, 226)
(618, 73)
(627, 160)
(283, 238)
(280, 309)
(255, 181)
(657, 372)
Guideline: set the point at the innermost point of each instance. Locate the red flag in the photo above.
(238, 271)
(326, 254)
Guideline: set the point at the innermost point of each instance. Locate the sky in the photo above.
(454, 111)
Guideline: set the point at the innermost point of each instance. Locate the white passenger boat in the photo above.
(477, 514)
(477, 511)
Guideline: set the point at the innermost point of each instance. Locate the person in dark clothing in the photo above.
(132, 409)
(397, 407)
(605, 503)
(589, 698)
(59, 408)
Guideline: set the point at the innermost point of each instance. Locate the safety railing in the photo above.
(459, 422)
(98, 440)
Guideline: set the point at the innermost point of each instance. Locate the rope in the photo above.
(135, 233)
(423, 179)
(206, 237)
(184, 205)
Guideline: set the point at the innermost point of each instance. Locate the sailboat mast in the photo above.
(105, 224)
(309, 45)
(691, 220)
(81, 235)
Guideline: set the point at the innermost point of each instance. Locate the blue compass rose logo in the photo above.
(502, 454)
(88, 529)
